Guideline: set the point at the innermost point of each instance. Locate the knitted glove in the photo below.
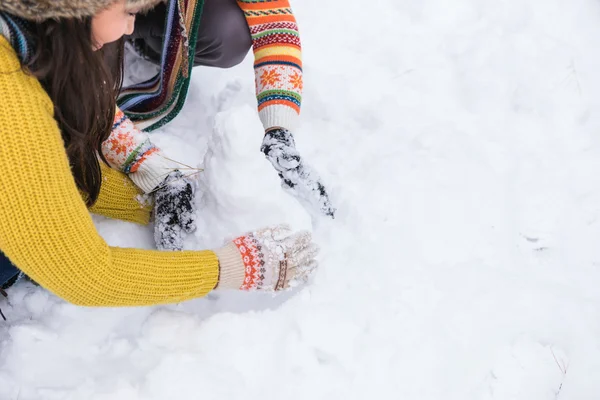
(174, 211)
(280, 149)
(270, 260)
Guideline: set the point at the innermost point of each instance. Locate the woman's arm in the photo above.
(121, 199)
(45, 227)
(278, 61)
(279, 83)
(129, 150)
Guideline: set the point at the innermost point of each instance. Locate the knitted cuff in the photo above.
(279, 116)
(231, 267)
(152, 172)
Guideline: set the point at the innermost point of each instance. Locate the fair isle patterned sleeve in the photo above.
(278, 61)
(130, 150)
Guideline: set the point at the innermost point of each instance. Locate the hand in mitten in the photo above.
(279, 147)
(174, 211)
(269, 260)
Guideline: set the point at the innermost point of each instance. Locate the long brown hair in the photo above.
(83, 85)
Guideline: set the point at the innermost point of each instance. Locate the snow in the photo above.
(459, 143)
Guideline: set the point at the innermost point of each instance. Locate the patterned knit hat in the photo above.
(39, 10)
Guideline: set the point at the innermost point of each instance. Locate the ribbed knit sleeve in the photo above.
(46, 229)
(120, 198)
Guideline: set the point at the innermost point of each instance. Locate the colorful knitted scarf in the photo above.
(13, 29)
(153, 103)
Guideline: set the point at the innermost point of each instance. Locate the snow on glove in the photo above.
(174, 211)
(280, 149)
(269, 260)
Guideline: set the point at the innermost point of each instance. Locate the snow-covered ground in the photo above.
(460, 141)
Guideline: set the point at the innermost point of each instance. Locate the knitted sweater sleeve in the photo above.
(120, 198)
(46, 229)
(129, 150)
(277, 61)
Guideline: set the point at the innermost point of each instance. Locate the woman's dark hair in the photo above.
(83, 84)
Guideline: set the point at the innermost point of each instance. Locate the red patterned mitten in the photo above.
(270, 259)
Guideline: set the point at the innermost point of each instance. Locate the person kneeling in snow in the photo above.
(58, 115)
(219, 33)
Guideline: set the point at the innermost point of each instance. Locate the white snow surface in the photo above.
(460, 142)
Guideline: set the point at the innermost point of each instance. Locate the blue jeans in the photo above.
(7, 270)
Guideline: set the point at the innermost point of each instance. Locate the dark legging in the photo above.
(223, 37)
(8, 272)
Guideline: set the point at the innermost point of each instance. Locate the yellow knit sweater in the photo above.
(46, 229)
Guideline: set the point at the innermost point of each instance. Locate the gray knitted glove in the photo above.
(174, 211)
(301, 180)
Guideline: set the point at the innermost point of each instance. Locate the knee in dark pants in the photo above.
(224, 37)
(230, 49)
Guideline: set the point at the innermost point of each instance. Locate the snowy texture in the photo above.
(239, 190)
(300, 179)
(460, 142)
(174, 213)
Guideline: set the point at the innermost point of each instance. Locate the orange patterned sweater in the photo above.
(278, 60)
